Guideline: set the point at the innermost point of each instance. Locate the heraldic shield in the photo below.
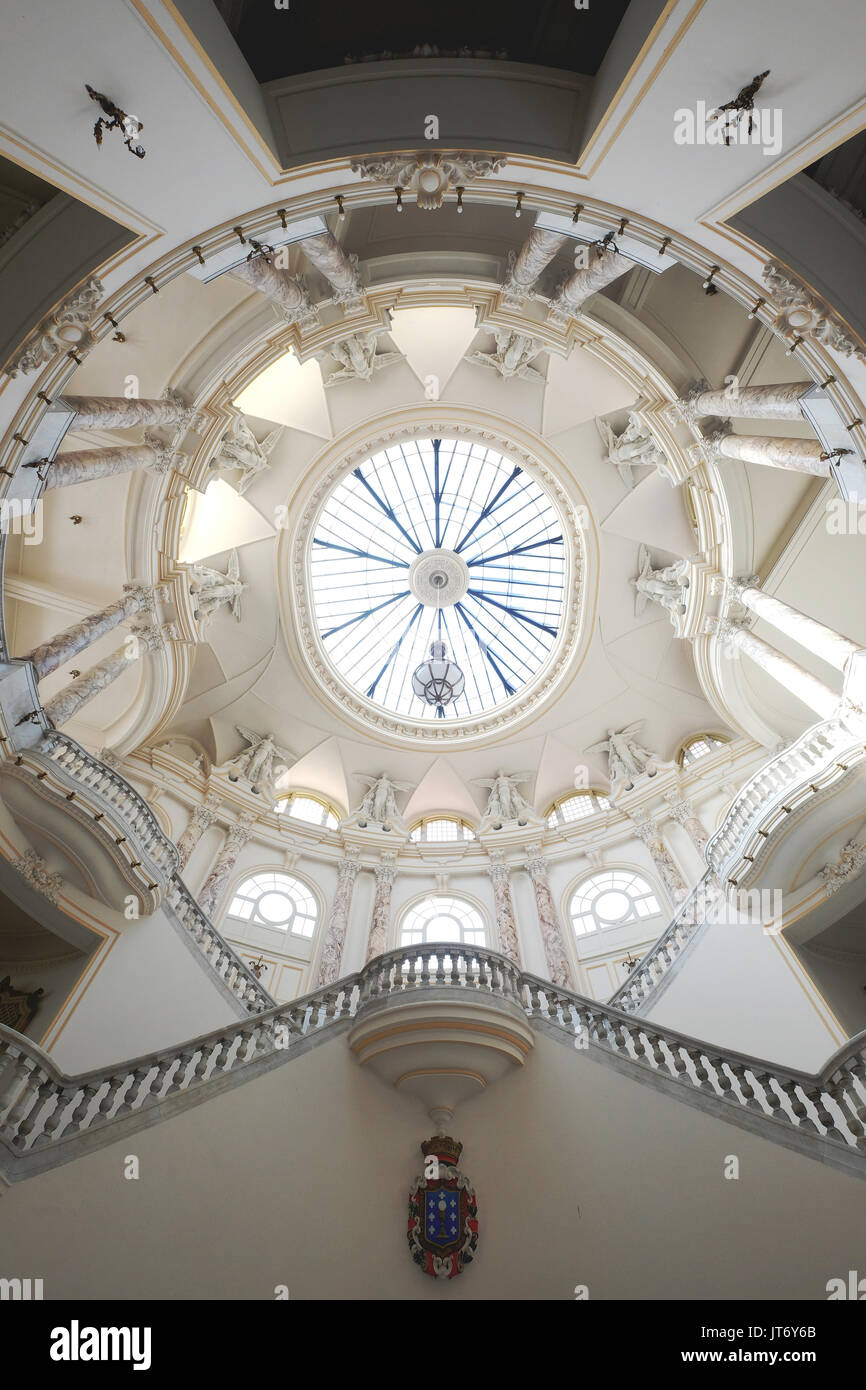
(443, 1212)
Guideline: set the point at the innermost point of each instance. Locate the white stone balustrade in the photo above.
(47, 1118)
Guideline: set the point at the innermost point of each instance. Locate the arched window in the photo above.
(576, 805)
(278, 901)
(698, 746)
(612, 898)
(443, 918)
(439, 828)
(309, 808)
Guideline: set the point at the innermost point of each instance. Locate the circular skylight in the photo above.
(438, 540)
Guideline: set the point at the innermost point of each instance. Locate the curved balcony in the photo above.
(47, 1118)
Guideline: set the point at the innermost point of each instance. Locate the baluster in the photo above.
(137, 1090)
(18, 1078)
(178, 1080)
(106, 1104)
(440, 968)
(456, 957)
(31, 1124)
(80, 1116)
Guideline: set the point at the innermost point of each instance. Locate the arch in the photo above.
(457, 913)
(616, 896)
(297, 802)
(272, 898)
(699, 745)
(440, 823)
(577, 804)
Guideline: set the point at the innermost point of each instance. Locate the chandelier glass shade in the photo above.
(438, 681)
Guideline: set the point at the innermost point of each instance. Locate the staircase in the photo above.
(47, 1118)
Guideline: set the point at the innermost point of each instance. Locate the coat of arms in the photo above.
(443, 1212)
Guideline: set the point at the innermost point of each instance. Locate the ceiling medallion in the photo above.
(361, 603)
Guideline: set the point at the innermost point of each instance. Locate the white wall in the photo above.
(301, 1178)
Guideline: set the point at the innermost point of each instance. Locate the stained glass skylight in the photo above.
(438, 539)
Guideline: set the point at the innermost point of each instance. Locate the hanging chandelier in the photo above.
(438, 680)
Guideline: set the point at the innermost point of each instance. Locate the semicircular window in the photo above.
(438, 541)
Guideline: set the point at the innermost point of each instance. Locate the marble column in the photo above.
(683, 812)
(675, 885)
(120, 413)
(338, 919)
(816, 637)
(808, 688)
(604, 267)
(84, 465)
(61, 708)
(503, 906)
(536, 253)
(49, 655)
(793, 455)
(202, 819)
(216, 882)
(750, 402)
(548, 919)
(286, 293)
(329, 258)
(386, 872)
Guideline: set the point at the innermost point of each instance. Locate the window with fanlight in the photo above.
(443, 918)
(439, 829)
(577, 806)
(612, 898)
(278, 901)
(300, 806)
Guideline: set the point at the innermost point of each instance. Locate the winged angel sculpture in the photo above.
(262, 763)
(627, 758)
(505, 802)
(380, 802)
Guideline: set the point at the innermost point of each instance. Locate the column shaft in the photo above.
(503, 905)
(381, 915)
(328, 256)
(50, 655)
(604, 267)
(668, 872)
(831, 646)
(338, 922)
(535, 254)
(201, 819)
(808, 688)
(282, 289)
(795, 455)
(120, 413)
(84, 465)
(548, 919)
(217, 880)
(753, 402)
(61, 708)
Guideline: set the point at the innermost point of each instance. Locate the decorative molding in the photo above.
(66, 326)
(430, 175)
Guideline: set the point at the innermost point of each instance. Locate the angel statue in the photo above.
(239, 449)
(666, 586)
(380, 804)
(211, 589)
(635, 445)
(262, 763)
(626, 757)
(505, 802)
